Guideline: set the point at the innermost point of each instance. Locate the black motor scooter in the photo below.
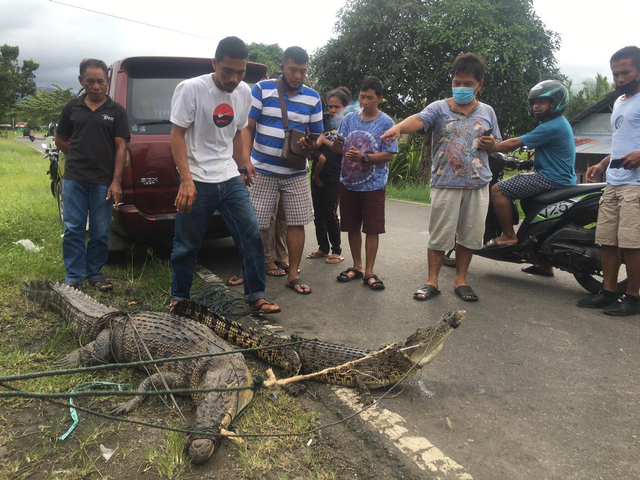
(53, 155)
(558, 229)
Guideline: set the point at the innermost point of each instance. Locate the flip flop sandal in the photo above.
(72, 284)
(376, 284)
(283, 266)
(426, 292)
(466, 293)
(235, 281)
(102, 285)
(261, 310)
(536, 270)
(296, 281)
(313, 255)
(172, 305)
(275, 272)
(333, 260)
(494, 245)
(345, 277)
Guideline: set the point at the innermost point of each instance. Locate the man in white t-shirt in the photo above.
(619, 213)
(208, 113)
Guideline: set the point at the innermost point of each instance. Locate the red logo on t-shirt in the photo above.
(223, 115)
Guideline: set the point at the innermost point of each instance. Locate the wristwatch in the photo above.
(365, 159)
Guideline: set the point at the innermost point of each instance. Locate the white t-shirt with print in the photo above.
(212, 117)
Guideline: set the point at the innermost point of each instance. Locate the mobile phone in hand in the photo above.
(487, 132)
(617, 163)
(312, 137)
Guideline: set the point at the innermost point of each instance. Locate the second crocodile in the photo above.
(350, 366)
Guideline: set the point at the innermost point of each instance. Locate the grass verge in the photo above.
(409, 192)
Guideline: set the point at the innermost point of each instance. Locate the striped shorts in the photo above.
(295, 199)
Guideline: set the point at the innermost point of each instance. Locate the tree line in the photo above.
(409, 44)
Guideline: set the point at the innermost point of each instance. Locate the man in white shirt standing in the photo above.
(619, 213)
(208, 113)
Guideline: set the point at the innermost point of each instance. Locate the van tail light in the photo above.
(127, 175)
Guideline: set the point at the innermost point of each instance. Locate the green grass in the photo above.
(409, 192)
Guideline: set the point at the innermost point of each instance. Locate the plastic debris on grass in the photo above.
(107, 453)
(28, 245)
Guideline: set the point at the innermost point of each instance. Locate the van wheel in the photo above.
(118, 243)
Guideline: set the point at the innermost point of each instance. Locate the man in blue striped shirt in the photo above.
(264, 136)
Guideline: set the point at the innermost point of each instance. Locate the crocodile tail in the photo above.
(196, 311)
(228, 330)
(37, 290)
(83, 314)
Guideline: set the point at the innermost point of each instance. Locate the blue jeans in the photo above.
(82, 199)
(231, 198)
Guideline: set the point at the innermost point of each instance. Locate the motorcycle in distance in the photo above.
(51, 152)
(32, 137)
(558, 229)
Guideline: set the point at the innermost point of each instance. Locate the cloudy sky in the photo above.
(58, 35)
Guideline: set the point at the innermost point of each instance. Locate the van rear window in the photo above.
(150, 86)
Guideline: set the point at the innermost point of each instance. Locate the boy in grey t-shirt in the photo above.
(460, 174)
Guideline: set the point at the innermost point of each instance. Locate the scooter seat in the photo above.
(557, 194)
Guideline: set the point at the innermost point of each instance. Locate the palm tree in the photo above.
(596, 88)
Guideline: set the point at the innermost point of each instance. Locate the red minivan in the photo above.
(144, 87)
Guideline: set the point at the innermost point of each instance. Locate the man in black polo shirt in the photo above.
(93, 133)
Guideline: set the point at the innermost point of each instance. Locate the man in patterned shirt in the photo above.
(460, 174)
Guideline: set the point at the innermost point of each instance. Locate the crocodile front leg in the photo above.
(293, 365)
(363, 390)
(97, 352)
(154, 382)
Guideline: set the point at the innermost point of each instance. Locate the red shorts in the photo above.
(362, 210)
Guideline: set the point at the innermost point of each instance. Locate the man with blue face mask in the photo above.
(460, 175)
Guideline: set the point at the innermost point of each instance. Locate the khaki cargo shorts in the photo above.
(619, 217)
(460, 212)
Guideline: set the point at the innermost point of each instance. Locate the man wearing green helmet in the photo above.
(554, 160)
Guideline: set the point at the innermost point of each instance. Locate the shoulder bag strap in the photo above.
(283, 106)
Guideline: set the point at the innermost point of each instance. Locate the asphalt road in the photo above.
(533, 387)
(37, 143)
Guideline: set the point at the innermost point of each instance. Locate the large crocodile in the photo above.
(354, 367)
(117, 337)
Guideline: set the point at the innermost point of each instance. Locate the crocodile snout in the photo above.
(454, 319)
(201, 449)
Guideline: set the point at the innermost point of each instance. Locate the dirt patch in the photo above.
(30, 449)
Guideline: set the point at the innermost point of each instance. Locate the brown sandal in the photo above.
(376, 284)
(263, 308)
(317, 254)
(333, 259)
